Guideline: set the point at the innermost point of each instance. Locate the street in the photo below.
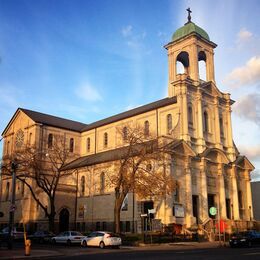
(173, 253)
(195, 251)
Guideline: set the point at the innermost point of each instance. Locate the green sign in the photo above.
(213, 211)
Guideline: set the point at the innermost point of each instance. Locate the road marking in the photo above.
(256, 253)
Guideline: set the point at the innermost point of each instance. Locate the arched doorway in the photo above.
(64, 220)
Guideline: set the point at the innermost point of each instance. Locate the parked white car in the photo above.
(102, 239)
(68, 237)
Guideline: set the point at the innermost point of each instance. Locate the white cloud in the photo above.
(244, 36)
(252, 152)
(88, 92)
(246, 75)
(255, 175)
(248, 107)
(126, 31)
(133, 39)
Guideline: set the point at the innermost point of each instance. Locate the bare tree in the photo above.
(141, 168)
(40, 171)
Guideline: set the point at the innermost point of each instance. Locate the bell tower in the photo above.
(190, 44)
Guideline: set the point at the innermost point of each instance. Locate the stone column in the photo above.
(221, 191)
(249, 206)
(229, 142)
(203, 210)
(194, 63)
(235, 208)
(188, 187)
(184, 107)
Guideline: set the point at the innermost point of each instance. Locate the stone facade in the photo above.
(195, 118)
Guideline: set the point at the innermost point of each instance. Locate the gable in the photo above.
(244, 163)
(19, 121)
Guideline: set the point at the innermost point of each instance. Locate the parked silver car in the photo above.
(17, 233)
(68, 237)
(102, 239)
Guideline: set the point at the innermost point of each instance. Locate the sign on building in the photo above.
(178, 211)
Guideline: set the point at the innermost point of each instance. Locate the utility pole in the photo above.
(12, 206)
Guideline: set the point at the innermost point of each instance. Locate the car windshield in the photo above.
(74, 233)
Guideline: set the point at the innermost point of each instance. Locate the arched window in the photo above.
(50, 140)
(82, 185)
(88, 144)
(146, 128)
(205, 122)
(182, 63)
(102, 182)
(7, 191)
(221, 126)
(180, 69)
(125, 133)
(176, 193)
(71, 145)
(169, 123)
(190, 116)
(202, 66)
(105, 139)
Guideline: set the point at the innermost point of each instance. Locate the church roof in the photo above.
(110, 155)
(132, 112)
(81, 127)
(49, 120)
(187, 29)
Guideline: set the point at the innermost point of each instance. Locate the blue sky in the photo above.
(86, 60)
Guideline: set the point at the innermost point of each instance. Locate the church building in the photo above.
(195, 118)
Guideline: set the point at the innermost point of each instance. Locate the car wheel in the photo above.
(84, 243)
(68, 242)
(102, 245)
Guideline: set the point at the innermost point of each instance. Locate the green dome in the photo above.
(187, 29)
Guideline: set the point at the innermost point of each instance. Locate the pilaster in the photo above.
(189, 214)
(234, 202)
(221, 190)
(249, 207)
(203, 191)
(201, 141)
(210, 66)
(217, 126)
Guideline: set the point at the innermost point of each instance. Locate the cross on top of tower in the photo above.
(189, 16)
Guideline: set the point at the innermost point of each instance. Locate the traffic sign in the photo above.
(12, 208)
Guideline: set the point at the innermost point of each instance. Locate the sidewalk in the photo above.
(35, 254)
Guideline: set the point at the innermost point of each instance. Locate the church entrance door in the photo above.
(64, 220)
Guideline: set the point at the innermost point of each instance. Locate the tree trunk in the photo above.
(51, 216)
(117, 209)
(51, 223)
